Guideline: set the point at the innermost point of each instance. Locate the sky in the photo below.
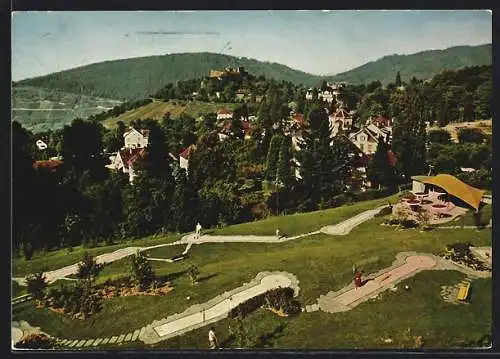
(318, 42)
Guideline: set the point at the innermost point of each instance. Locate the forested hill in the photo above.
(423, 65)
(140, 77)
(137, 78)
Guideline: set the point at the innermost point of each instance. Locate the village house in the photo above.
(365, 139)
(341, 120)
(125, 159)
(184, 157)
(326, 96)
(136, 139)
(309, 94)
(224, 114)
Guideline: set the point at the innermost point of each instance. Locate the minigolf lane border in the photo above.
(153, 332)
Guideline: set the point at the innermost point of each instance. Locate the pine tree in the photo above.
(409, 138)
(323, 161)
(284, 169)
(398, 79)
(185, 203)
(380, 171)
(272, 157)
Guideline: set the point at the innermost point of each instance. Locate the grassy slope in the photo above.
(321, 263)
(157, 109)
(300, 223)
(60, 258)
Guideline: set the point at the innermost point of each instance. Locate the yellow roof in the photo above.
(457, 188)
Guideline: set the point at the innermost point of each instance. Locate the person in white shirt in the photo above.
(212, 339)
(198, 230)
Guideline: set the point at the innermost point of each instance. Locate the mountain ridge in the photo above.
(113, 78)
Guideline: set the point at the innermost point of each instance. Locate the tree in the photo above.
(193, 273)
(398, 79)
(272, 156)
(409, 135)
(156, 161)
(73, 229)
(36, 284)
(185, 203)
(380, 171)
(439, 136)
(470, 135)
(81, 147)
(88, 269)
(323, 161)
(142, 271)
(284, 165)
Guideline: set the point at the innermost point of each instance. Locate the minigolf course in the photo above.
(217, 308)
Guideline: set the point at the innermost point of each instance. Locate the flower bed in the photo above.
(461, 254)
(439, 206)
(36, 341)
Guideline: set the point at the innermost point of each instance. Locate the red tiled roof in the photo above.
(129, 156)
(186, 153)
(48, 164)
(224, 112)
(383, 121)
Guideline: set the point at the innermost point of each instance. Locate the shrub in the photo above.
(88, 269)
(384, 212)
(461, 253)
(36, 341)
(142, 270)
(439, 136)
(481, 178)
(408, 223)
(36, 284)
(193, 273)
(471, 135)
(279, 299)
(370, 194)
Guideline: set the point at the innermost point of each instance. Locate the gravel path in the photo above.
(343, 228)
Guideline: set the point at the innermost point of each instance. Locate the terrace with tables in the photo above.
(441, 198)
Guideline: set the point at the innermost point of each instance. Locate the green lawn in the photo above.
(157, 109)
(300, 223)
(321, 263)
(421, 310)
(17, 289)
(60, 258)
(469, 220)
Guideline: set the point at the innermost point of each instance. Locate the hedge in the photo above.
(279, 299)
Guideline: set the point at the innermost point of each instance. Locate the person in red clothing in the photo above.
(357, 279)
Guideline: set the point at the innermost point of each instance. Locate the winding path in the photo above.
(406, 265)
(341, 228)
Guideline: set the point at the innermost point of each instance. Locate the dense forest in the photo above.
(422, 65)
(112, 79)
(241, 178)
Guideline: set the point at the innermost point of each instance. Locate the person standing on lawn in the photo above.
(212, 339)
(198, 230)
(357, 279)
